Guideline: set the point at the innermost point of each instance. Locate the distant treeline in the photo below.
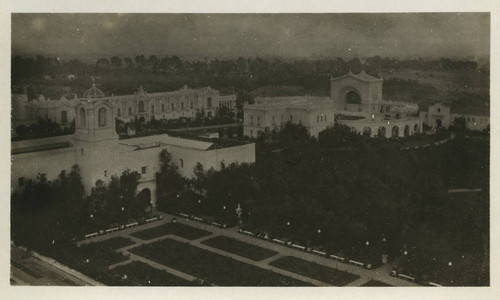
(228, 75)
(28, 67)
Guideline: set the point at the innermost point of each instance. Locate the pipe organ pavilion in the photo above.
(355, 97)
(97, 150)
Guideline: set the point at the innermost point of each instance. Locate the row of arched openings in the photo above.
(101, 115)
(381, 132)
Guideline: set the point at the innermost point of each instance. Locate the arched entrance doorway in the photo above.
(407, 130)
(439, 123)
(395, 131)
(367, 131)
(381, 131)
(144, 199)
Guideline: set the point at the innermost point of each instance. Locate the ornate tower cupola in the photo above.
(95, 119)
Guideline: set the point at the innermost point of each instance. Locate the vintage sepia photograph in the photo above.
(250, 149)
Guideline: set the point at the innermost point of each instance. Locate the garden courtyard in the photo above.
(189, 253)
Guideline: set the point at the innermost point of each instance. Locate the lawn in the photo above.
(92, 259)
(114, 243)
(181, 230)
(375, 283)
(314, 270)
(97, 254)
(211, 267)
(239, 248)
(141, 274)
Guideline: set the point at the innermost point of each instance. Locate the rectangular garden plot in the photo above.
(239, 248)
(97, 254)
(91, 259)
(141, 274)
(181, 230)
(314, 270)
(211, 267)
(115, 243)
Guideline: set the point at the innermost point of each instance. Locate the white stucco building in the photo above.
(442, 115)
(26, 112)
(185, 102)
(315, 113)
(100, 154)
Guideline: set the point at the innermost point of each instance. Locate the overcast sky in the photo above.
(232, 35)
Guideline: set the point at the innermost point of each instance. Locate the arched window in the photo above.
(102, 117)
(82, 117)
(141, 106)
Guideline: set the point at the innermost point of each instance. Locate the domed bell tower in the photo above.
(95, 138)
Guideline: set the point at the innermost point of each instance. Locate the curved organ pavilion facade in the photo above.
(100, 154)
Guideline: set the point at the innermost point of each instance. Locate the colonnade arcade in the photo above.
(387, 129)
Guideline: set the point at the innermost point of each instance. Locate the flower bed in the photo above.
(115, 243)
(140, 274)
(314, 270)
(239, 248)
(215, 268)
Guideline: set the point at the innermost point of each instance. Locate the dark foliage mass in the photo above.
(67, 214)
(43, 128)
(345, 190)
(58, 205)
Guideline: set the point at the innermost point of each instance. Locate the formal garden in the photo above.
(217, 269)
